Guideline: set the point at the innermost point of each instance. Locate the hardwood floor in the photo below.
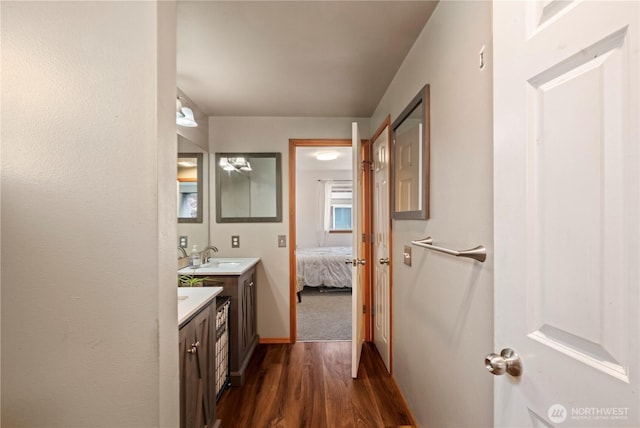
(308, 385)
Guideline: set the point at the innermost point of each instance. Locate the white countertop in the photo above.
(222, 266)
(192, 299)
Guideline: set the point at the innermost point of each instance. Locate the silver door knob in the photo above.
(384, 261)
(194, 347)
(508, 361)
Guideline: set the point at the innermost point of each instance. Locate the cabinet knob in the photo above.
(251, 284)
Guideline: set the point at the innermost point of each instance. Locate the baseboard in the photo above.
(274, 340)
(411, 418)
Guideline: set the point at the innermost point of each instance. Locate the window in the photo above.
(338, 204)
(341, 217)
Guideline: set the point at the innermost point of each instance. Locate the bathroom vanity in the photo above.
(237, 277)
(196, 336)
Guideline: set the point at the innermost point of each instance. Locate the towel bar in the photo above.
(478, 253)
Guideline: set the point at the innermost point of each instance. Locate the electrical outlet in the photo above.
(282, 241)
(407, 255)
(235, 241)
(184, 241)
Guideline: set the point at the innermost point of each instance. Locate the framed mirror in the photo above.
(410, 160)
(190, 194)
(248, 187)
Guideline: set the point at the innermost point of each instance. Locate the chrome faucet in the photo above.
(203, 255)
(184, 253)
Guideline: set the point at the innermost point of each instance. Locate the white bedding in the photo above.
(323, 266)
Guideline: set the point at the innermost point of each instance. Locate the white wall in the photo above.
(268, 134)
(310, 209)
(89, 335)
(443, 306)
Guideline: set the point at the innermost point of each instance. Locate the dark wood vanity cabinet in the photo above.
(242, 319)
(197, 370)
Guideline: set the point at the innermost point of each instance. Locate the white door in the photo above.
(566, 217)
(381, 284)
(357, 334)
(408, 148)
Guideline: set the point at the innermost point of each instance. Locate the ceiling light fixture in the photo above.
(187, 164)
(326, 156)
(184, 115)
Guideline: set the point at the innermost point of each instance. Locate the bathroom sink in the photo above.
(222, 266)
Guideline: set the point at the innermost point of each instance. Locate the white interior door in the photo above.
(408, 149)
(357, 335)
(381, 275)
(566, 192)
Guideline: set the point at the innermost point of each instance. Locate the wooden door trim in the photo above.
(385, 123)
(293, 144)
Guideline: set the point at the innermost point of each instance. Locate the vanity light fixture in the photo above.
(225, 165)
(179, 113)
(327, 156)
(184, 115)
(235, 164)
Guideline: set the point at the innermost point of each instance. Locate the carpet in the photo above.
(324, 316)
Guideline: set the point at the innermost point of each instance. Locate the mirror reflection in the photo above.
(248, 187)
(190, 187)
(410, 160)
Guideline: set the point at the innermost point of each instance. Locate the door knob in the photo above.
(194, 347)
(508, 361)
(384, 261)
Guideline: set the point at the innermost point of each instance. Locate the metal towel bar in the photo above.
(478, 253)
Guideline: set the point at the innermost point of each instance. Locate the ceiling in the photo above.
(293, 58)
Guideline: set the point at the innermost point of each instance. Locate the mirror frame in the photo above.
(199, 168)
(421, 99)
(278, 217)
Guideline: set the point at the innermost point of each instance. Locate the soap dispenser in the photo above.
(194, 257)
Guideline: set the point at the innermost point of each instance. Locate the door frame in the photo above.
(385, 123)
(294, 143)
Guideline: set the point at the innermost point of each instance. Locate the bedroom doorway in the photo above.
(320, 175)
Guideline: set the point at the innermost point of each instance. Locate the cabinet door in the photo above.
(248, 321)
(251, 309)
(197, 371)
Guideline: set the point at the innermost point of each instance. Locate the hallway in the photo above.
(309, 385)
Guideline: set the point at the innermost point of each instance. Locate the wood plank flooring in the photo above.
(309, 385)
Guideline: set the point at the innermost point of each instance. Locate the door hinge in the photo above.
(364, 309)
(373, 311)
(365, 163)
(364, 238)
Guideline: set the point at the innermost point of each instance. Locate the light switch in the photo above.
(235, 241)
(282, 241)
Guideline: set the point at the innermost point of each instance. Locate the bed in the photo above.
(323, 267)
